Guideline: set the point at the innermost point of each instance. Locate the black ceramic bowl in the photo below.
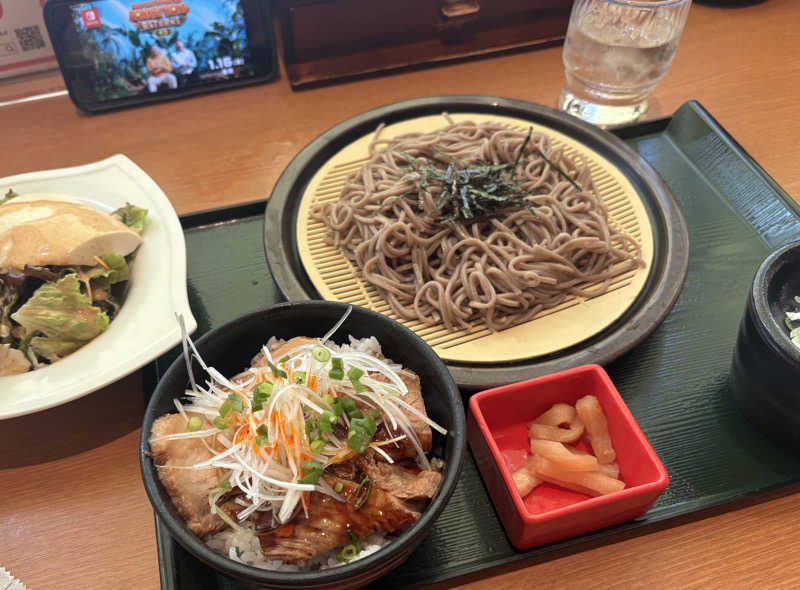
(229, 349)
(765, 377)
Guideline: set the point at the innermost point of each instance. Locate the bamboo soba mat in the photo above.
(572, 321)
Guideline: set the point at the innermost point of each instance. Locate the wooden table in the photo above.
(73, 512)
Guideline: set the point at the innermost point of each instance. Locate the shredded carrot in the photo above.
(101, 263)
(312, 382)
(240, 433)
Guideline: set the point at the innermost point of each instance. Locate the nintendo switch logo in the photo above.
(90, 18)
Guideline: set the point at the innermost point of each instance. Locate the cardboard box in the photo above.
(24, 43)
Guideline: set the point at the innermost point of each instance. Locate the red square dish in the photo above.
(497, 431)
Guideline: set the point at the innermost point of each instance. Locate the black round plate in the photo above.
(670, 234)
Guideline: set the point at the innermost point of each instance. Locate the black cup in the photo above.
(765, 377)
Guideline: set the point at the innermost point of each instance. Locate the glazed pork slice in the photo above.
(404, 448)
(329, 522)
(188, 488)
(406, 482)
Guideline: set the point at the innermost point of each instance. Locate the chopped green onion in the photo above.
(321, 354)
(236, 403)
(362, 493)
(317, 445)
(312, 471)
(337, 406)
(347, 553)
(299, 377)
(276, 372)
(220, 423)
(354, 374)
(366, 423)
(264, 388)
(376, 414)
(337, 368)
(311, 426)
(351, 550)
(261, 392)
(328, 399)
(338, 487)
(225, 408)
(362, 429)
(283, 359)
(348, 404)
(262, 439)
(326, 421)
(356, 414)
(357, 440)
(194, 423)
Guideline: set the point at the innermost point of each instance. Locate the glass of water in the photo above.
(615, 53)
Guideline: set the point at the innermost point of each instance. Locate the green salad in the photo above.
(48, 312)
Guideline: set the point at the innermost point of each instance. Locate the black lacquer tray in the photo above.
(674, 382)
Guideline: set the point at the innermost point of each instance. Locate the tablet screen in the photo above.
(160, 46)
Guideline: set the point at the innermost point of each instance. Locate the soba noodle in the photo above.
(502, 270)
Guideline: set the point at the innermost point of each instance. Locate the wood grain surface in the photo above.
(74, 513)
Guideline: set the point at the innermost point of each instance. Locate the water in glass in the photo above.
(615, 53)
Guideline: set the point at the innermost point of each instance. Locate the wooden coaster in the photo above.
(554, 329)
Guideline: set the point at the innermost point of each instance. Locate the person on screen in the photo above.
(160, 70)
(184, 63)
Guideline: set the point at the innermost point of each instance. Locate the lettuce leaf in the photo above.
(116, 272)
(101, 278)
(53, 349)
(63, 315)
(132, 216)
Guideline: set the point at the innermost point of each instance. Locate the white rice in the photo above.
(243, 546)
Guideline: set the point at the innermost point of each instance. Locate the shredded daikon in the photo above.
(261, 446)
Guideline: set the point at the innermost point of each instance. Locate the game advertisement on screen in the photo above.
(157, 46)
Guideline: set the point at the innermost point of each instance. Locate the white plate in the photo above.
(145, 326)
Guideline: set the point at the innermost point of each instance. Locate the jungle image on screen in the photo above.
(161, 45)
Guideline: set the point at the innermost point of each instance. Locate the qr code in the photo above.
(30, 38)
